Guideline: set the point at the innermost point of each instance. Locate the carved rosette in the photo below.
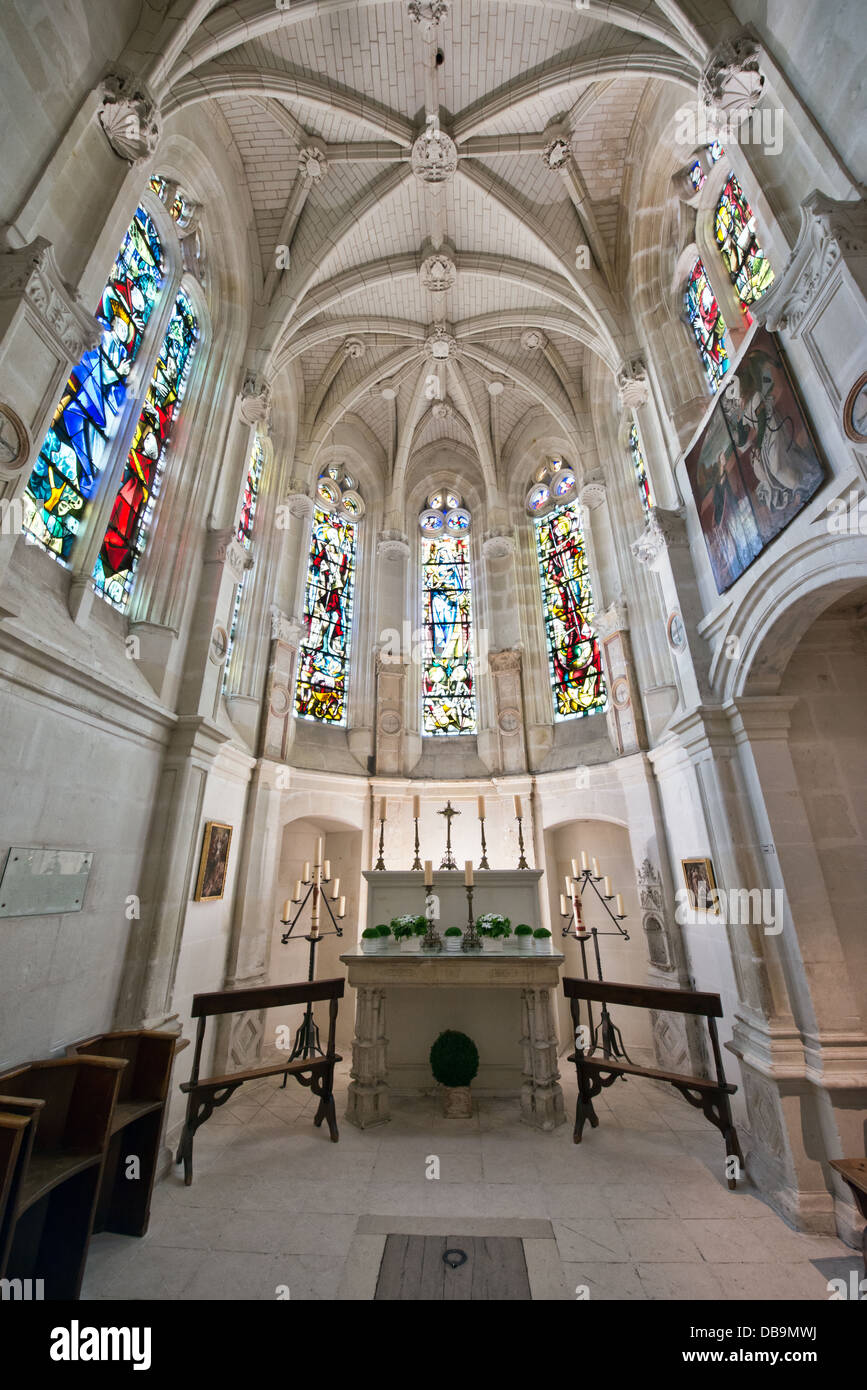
(312, 164)
(434, 156)
(31, 274)
(130, 117)
(533, 340)
(438, 273)
(557, 153)
(254, 402)
(440, 345)
(633, 387)
(831, 232)
(354, 347)
(664, 531)
(732, 80)
(592, 494)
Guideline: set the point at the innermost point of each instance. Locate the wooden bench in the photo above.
(709, 1095)
(204, 1095)
(853, 1171)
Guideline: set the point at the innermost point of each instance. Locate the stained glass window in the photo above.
(66, 472)
(708, 325)
(323, 668)
(245, 534)
(735, 226)
(574, 660)
(448, 701)
(640, 467)
(128, 527)
(697, 175)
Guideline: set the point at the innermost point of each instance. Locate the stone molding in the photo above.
(633, 387)
(593, 493)
(392, 545)
(31, 273)
(615, 618)
(665, 530)
(732, 80)
(129, 116)
(298, 502)
(831, 231)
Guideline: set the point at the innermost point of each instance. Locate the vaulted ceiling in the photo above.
(372, 141)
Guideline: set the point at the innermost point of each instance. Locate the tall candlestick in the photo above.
(468, 872)
(518, 811)
(382, 815)
(416, 807)
(428, 872)
(481, 808)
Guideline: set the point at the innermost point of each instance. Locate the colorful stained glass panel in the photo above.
(323, 669)
(66, 472)
(708, 325)
(735, 226)
(640, 467)
(448, 699)
(574, 659)
(128, 527)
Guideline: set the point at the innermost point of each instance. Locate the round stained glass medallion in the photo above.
(458, 521)
(431, 522)
(328, 493)
(538, 497)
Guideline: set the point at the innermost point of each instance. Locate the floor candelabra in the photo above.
(307, 1037)
(605, 1033)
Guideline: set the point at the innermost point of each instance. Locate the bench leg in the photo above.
(327, 1109)
(583, 1109)
(185, 1154)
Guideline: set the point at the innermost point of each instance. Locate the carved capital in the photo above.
(130, 117)
(732, 80)
(254, 402)
(509, 659)
(392, 545)
(498, 544)
(297, 501)
(284, 629)
(831, 231)
(593, 493)
(633, 387)
(664, 531)
(31, 274)
(615, 618)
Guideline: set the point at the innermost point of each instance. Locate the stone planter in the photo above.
(371, 946)
(542, 945)
(492, 945)
(457, 1102)
(409, 944)
(525, 943)
(453, 943)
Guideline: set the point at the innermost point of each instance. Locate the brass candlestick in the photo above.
(522, 862)
(483, 862)
(605, 1033)
(431, 941)
(472, 940)
(380, 863)
(448, 859)
(416, 863)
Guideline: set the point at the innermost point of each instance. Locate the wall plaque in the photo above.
(43, 882)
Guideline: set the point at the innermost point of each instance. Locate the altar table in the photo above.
(530, 979)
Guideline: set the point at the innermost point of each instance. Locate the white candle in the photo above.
(606, 886)
(620, 910)
(564, 908)
(326, 869)
(319, 844)
(428, 872)
(468, 873)
(584, 863)
(307, 871)
(382, 808)
(298, 890)
(596, 873)
(341, 907)
(518, 807)
(574, 868)
(481, 808)
(416, 807)
(335, 891)
(287, 909)
(570, 887)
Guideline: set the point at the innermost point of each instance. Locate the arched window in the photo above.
(707, 324)
(735, 229)
(640, 467)
(698, 170)
(448, 689)
(323, 658)
(244, 534)
(66, 473)
(574, 659)
(126, 537)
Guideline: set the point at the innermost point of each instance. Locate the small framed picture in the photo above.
(700, 883)
(214, 862)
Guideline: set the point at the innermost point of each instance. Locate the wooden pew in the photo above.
(205, 1094)
(853, 1171)
(708, 1095)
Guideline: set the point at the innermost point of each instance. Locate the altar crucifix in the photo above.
(448, 859)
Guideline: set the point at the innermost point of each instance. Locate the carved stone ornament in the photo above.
(557, 153)
(732, 80)
(130, 117)
(615, 618)
(664, 531)
(438, 273)
(440, 345)
(533, 340)
(592, 494)
(498, 544)
(441, 410)
(831, 231)
(219, 645)
(650, 888)
(238, 559)
(14, 441)
(285, 629)
(254, 404)
(312, 164)
(297, 502)
(633, 387)
(31, 273)
(509, 659)
(390, 722)
(434, 155)
(392, 545)
(354, 347)
(428, 14)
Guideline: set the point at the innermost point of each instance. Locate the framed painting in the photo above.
(214, 862)
(698, 875)
(756, 465)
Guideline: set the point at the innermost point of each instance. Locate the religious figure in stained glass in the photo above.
(707, 324)
(449, 705)
(245, 535)
(574, 659)
(125, 539)
(640, 467)
(735, 227)
(323, 669)
(66, 472)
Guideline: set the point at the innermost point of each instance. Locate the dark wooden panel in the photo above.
(413, 1270)
(230, 1001)
(681, 1001)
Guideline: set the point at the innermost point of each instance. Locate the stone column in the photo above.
(664, 549)
(511, 749)
(625, 715)
(368, 1097)
(277, 711)
(541, 1095)
(394, 649)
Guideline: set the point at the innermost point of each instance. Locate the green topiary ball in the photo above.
(454, 1059)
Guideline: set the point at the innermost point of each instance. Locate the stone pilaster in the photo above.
(277, 716)
(625, 715)
(390, 701)
(505, 668)
(664, 549)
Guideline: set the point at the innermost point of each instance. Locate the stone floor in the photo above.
(639, 1211)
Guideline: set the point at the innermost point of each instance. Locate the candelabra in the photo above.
(472, 940)
(483, 862)
(522, 862)
(606, 1030)
(380, 863)
(307, 1037)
